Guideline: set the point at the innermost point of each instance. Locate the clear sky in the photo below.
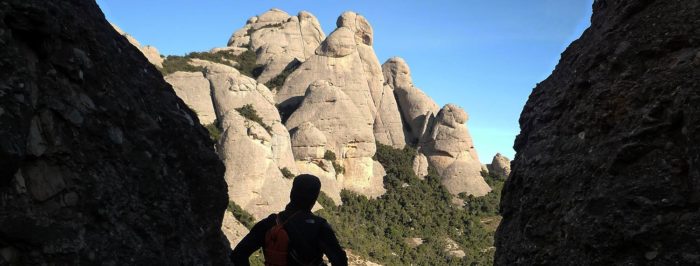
(485, 56)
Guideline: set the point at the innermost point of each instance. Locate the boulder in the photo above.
(232, 90)
(449, 148)
(193, 88)
(460, 177)
(279, 39)
(388, 126)
(415, 106)
(420, 165)
(100, 161)
(347, 59)
(500, 166)
(607, 164)
(254, 179)
(349, 135)
(308, 143)
(233, 229)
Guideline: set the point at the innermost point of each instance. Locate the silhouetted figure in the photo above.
(310, 236)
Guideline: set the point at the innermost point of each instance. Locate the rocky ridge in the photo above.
(331, 109)
(606, 170)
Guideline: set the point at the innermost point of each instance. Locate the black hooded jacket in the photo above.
(310, 236)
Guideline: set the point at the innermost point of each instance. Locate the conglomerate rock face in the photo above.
(278, 39)
(338, 102)
(100, 161)
(150, 52)
(607, 169)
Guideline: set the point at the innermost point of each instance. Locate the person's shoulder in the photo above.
(319, 220)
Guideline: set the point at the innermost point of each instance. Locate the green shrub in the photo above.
(325, 200)
(279, 80)
(241, 215)
(174, 63)
(377, 229)
(339, 169)
(214, 131)
(286, 173)
(245, 62)
(329, 155)
(249, 112)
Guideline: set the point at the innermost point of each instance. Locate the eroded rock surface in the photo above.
(278, 39)
(449, 148)
(194, 89)
(349, 135)
(415, 106)
(100, 161)
(607, 164)
(346, 59)
(150, 52)
(254, 179)
(500, 166)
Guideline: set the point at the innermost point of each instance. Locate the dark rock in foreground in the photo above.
(607, 170)
(100, 162)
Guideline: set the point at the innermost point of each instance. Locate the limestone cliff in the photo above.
(100, 161)
(606, 170)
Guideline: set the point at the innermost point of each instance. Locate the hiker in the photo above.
(309, 236)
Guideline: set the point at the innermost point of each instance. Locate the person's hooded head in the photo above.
(305, 190)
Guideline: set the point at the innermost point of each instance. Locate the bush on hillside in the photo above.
(279, 80)
(241, 215)
(214, 131)
(245, 62)
(174, 63)
(378, 229)
(286, 173)
(250, 113)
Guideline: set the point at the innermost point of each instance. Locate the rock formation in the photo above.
(100, 161)
(150, 52)
(233, 229)
(254, 179)
(278, 39)
(606, 170)
(415, 106)
(349, 135)
(500, 166)
(232, 90)
(254, 153)
(449, 148)
(342, 115)
(194, 89)
(346, 59)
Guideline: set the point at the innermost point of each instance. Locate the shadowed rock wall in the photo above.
(607, 170)
(100, 161)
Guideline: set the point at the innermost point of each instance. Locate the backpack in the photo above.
(277, 243)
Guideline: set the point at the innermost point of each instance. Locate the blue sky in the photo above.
(485, 56)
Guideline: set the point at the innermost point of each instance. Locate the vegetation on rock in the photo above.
(286, 173)
(413, 208)
(241, 215)
(330, 155)
(174, 63)
(245, 62)
(250, 113)
(214, 131)
(278, 80)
